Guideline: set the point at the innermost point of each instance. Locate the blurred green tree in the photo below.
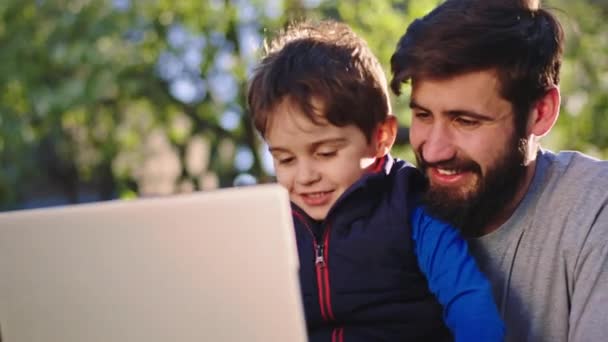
(119, 98)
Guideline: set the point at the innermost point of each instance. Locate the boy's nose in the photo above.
(307, 173)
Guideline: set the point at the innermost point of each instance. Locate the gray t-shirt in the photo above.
(548, 264)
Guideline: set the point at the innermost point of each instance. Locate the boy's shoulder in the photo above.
(405, 177)
(405, 171)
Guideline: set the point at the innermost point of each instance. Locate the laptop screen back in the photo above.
(211, 266)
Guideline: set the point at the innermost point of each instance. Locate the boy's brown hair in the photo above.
(324, 64)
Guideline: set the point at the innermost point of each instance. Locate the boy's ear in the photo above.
(544, 113)
(385, 136)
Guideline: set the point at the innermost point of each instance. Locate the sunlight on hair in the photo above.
(532, 5)
(366, 162)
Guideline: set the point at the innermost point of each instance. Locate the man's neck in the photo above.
(510, 208)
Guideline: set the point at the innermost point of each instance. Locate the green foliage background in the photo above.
(81, 91)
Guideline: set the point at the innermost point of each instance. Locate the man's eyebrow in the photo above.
(454, 112)
(415, 105)
(470, 114)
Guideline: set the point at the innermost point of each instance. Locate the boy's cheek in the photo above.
(282, 178)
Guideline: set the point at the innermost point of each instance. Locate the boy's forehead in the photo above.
(296, 131)
(297, 127)
(289, 127)
(295, 106)
(289, 116)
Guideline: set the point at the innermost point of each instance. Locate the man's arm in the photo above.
(589, 301)
(454, 278)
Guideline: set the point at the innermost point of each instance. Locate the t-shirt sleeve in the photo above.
(589, 298)
(453, 276)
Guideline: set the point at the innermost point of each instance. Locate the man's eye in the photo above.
(466, 122)
(327, 154)
(422, 115)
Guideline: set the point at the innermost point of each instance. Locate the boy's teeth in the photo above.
(446, 172)
(317, 194)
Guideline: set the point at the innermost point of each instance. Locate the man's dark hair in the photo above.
(517, 39)
(322, 63)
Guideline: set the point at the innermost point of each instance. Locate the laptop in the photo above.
(208, 266)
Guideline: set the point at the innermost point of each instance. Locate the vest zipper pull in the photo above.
(319, 258)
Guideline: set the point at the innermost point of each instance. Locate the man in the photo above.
(484, 76)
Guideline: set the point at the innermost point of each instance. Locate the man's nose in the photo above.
(307, 173)
(438, 145)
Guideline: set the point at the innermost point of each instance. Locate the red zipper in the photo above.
(337, 335)
(322, 271)
(321, 252)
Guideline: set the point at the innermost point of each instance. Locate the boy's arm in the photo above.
(452, 274)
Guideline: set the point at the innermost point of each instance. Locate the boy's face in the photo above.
(316, 163)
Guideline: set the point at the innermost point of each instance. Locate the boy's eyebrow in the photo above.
(454, 113)
(328, 141)
(313, 146)
(277, 149)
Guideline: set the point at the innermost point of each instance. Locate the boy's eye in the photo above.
(286, 160)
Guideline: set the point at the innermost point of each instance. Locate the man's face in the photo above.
(316, 163)
(466, 142)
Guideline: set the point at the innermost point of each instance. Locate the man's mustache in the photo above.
(456, 163)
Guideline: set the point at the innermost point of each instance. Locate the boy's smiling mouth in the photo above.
(317, 198)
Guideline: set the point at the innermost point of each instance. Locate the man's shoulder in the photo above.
(575, 192)
(572, 168)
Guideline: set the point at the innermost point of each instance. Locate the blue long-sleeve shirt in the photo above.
(453, 276)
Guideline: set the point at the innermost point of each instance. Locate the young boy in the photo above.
(370, 259)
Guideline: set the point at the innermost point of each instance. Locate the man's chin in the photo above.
(471, 211)
(448, 207)
(452, 195)
(474, 206)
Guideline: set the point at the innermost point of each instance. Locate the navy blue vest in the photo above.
(359, 275)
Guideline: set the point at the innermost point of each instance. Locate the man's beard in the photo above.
(472, 210)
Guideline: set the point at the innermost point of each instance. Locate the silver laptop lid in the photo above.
(212, 266)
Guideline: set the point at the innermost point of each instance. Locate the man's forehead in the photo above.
(487, 80)
(474, 91)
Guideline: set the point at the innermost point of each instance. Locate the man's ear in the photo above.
(385, 136)
(544, 113)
